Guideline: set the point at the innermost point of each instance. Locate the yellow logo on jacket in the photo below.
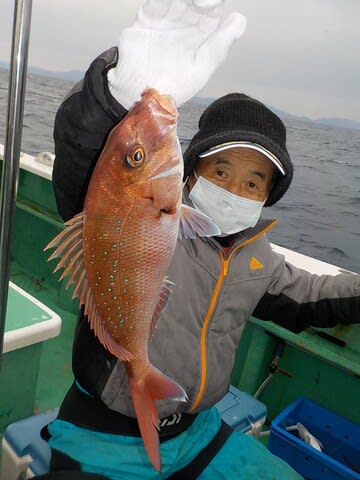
(255, 264)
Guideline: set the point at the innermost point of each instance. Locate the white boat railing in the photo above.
(41, 164)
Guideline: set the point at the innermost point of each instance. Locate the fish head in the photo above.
(145, 153)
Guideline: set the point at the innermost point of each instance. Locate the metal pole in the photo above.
(9, 179)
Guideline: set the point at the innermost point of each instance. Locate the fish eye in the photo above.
(136, 156)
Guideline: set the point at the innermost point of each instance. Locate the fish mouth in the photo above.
(173, 166)
(168, 104)
(165, 184)
(162, 106)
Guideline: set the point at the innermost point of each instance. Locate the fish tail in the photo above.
(154, 385)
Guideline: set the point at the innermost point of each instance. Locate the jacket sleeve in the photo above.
(297, 299)
(82, 124)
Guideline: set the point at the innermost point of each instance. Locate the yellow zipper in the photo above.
(223, 274)
(203, 347)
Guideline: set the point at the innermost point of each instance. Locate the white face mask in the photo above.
(230, 212)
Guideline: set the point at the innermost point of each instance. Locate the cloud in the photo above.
(303, 59)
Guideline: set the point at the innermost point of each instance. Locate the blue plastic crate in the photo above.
(23, 447)
(242, 411)
(340, 438)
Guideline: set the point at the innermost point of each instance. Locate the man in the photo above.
(235, 164)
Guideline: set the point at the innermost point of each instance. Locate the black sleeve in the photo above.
(82, 124)
(297, 299)
(296, 317)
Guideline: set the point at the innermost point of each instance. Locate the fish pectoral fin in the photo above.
(194, 223)
(68, 246)
(153, 386)
(165, 292)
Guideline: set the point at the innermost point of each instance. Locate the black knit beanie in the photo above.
(237, 117)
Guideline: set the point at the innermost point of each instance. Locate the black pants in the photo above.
(70, 475)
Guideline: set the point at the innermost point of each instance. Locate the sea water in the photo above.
(320, 214)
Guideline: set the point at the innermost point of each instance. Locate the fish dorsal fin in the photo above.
(68, 246)
(165, 292)
(194, 223)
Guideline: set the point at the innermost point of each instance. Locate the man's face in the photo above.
(241, 171)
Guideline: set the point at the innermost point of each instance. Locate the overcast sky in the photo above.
(302, 57)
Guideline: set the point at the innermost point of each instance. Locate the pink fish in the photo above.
(117, 250)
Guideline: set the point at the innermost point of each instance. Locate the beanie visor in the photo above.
(253, 146)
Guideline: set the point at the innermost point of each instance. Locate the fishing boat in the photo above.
(272, 364)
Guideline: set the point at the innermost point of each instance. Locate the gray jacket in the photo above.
(214, 295)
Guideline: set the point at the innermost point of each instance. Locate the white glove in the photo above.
(173, 46)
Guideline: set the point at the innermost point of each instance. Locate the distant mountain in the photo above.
(206, 101)
(339, 122)
(333, 122)
(71, 75)
(203, 100)
(291, 116)
(76, 75)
